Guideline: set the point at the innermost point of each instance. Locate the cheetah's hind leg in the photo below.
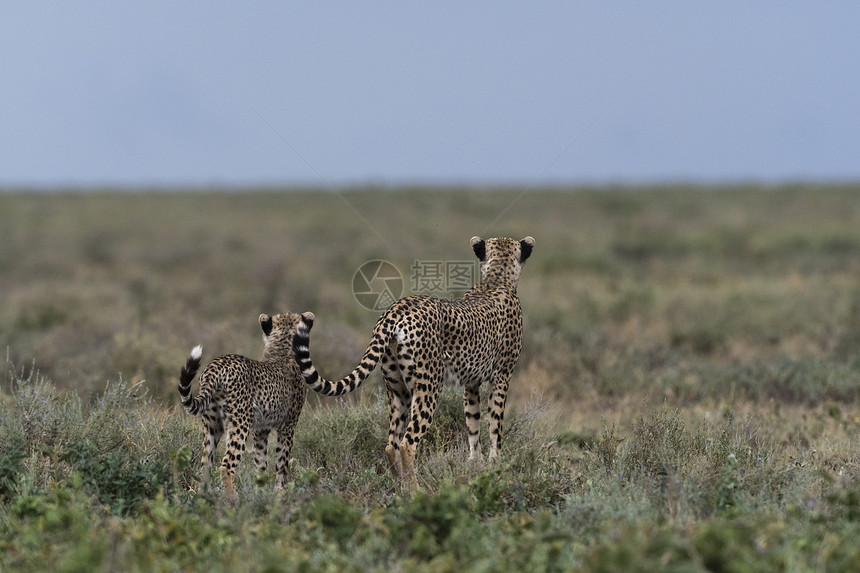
(213, 429)
(398, 399)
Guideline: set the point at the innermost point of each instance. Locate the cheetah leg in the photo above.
(213, 430)
(497, 416)
(261, 443)
(472, 409)
(398, 397)
(285, 446)
(407, 460)
(235, 447)
(423, 408)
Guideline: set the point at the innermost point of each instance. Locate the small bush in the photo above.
(427, 525)
(38, 415)
(118, 480)
(10, 467)
(336, 517)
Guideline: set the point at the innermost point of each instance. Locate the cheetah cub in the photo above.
(239, 395)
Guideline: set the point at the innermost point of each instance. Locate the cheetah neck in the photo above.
(500, 277)
(278, 352)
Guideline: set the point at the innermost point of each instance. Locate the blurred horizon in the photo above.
(406, 187)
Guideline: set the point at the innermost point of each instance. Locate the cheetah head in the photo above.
(279, 328)
(502, 258)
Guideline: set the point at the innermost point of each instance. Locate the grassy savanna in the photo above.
(686, 398)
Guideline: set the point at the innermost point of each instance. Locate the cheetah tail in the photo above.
(301, 347)
(191, 404)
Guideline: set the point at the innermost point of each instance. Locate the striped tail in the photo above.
(191, 404)
(301, 346)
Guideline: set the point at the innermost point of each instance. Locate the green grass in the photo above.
(108, 485)
(686, 399)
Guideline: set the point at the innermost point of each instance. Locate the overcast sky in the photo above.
(229, 93)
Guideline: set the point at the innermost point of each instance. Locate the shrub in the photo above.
(10, 467)
(338, 518)
(118, 480)
(38, 415)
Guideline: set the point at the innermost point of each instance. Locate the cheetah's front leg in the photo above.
(497, 416)
(261, 453)
(472, 409)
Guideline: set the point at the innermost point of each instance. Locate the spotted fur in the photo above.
(239, 396)
(420, 341)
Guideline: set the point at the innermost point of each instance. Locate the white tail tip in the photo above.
(197, 352)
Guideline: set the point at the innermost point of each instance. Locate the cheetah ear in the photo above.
(526, 246)
(480, 248)
(266, 324)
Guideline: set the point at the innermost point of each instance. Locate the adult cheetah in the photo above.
(420, 341)
(240, 395)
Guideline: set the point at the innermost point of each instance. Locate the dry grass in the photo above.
(627, 286)
(687, 393)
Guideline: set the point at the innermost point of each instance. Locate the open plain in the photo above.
(687, 398)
